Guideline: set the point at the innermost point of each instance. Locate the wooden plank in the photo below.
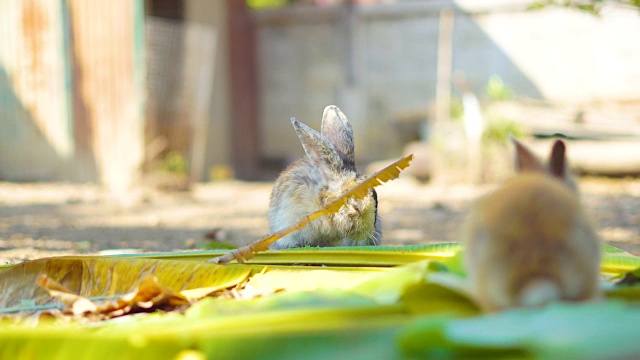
(108, 86)
(36, 141)
(587, 121)
(613, 158)
(581, 131)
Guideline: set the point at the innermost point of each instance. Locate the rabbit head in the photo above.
(326, 172)
(557, 165)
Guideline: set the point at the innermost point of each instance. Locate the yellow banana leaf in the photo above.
(323, 312)
(358, 256)
(616, 261)
(106, 277)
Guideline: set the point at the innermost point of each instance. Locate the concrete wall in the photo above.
(378, 63)
(572, 56)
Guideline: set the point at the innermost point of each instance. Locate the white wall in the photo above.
(386, 66)
(573, 56)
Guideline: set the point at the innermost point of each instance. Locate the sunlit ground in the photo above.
(39, 220)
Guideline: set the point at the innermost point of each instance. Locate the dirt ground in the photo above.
(50, 219)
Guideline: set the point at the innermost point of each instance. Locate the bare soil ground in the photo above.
(41, 220)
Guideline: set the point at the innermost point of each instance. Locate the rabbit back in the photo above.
(529, 242)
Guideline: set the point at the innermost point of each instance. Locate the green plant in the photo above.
(499, 129)
(266, 4)
(497, 90)
(173, 163)
(593, 7)
(456, 108)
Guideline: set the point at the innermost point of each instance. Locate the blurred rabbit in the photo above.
(327, 171)
(529, 242)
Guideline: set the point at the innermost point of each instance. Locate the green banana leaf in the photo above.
(334, 256)
(602, 330)
(373, 303)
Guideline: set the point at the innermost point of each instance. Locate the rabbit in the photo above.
(529, 242)
(326, 172)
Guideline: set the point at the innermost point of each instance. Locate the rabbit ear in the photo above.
(558, 160)
(316, 146)
(525, 159)
(337, 129)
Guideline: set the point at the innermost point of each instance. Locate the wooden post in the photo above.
(442, 160)
(107, 68)
(245, 146)
(443, 89)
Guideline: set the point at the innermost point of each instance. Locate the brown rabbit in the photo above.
(529, 242)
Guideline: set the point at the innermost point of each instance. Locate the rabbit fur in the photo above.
(530, 243)
(326, 172)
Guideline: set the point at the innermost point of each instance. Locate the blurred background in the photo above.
(170, 93)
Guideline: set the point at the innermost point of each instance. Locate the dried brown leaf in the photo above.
(75, 304)
(148, 296)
